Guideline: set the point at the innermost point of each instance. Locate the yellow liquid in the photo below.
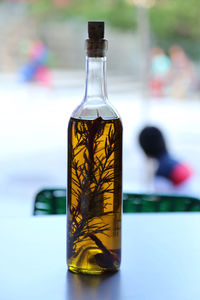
(94, 195)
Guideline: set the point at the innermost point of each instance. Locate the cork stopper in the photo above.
(96, 45)
(96, 30)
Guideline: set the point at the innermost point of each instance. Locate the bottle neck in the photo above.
(95, 79)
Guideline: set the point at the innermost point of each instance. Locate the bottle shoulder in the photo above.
(94, 108)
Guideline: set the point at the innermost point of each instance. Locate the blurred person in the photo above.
(171, 175)
(37, 67)
(182, 74)
(160, 67)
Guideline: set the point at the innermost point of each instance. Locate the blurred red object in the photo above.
(43, 75)
(156, 87)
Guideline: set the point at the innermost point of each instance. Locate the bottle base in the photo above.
(90, 272)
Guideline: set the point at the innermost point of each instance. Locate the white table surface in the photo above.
(160, 260)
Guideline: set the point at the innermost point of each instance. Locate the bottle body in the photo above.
(94, 195)
(94, 186)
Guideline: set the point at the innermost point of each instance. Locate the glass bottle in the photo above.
(94, 186)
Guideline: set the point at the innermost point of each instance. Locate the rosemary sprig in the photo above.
(92, 180)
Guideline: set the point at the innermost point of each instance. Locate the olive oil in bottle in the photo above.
(94, 188)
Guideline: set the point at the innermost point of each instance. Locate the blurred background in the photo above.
(153, 78)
